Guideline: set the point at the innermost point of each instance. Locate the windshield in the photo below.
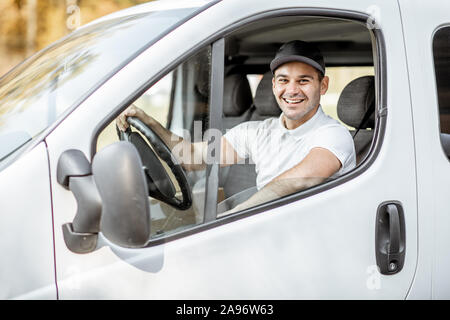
(37, 92)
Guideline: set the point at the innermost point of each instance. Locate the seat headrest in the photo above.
(237, 96)
(356, 98)
(201, 72)
(265, 103)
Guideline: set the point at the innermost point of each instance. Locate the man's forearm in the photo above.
(190, 155)
(169, 138)
(275, 190)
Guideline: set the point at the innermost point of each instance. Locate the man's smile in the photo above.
(293, 101)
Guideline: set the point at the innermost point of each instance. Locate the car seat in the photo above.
(264, 105)
(356, 108)
(237, 99)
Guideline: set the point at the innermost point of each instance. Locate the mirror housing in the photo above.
(121, 183)
(112, 197)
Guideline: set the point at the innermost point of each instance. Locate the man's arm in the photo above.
(191, 155)
(318, 165)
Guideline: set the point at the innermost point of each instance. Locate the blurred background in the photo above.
(26, 26)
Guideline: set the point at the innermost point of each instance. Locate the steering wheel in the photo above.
(160, 186)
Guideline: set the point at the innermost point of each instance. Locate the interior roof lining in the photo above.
(339, 39)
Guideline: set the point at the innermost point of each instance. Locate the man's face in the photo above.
(297, 89)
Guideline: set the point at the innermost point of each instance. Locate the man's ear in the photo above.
(324, 85)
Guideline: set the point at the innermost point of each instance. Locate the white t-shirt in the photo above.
(274, 149)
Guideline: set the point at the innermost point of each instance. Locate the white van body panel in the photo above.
(433, 173)
(27, 269)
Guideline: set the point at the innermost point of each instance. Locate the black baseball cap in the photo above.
(300, 51)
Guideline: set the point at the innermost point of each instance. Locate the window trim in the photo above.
(438, 108)
(379, 53)
(215, 120)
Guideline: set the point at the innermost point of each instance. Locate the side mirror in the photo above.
(112, 197)
(123, 189)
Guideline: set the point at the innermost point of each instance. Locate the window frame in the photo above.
(379, 58)
(436, 82)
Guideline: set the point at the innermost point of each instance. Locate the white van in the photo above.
(86, 216)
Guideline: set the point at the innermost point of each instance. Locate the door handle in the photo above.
(390, 245)
(394, 229)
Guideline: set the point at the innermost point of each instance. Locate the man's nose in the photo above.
(293, 88)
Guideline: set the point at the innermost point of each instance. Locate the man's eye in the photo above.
(282, 80)
(304, 81)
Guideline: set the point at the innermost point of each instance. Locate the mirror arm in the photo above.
(74, 174)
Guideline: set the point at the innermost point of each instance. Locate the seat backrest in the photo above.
(243, 176)
(237, 99)
(356, 102)
(264, 105)
(445, 141)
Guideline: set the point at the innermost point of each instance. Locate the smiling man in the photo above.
(302, 147)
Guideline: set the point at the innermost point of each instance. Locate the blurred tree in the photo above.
(31, 26)
(27, 26)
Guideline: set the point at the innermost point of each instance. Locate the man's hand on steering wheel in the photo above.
(159, 183)
(132, 111)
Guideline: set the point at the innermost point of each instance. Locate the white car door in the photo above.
(428, 55)
(319, 244)
(27, 270)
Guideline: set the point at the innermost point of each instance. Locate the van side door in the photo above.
(427, 33)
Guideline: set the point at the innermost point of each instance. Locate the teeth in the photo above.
(293, 101)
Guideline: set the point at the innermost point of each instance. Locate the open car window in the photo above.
(249, 97)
